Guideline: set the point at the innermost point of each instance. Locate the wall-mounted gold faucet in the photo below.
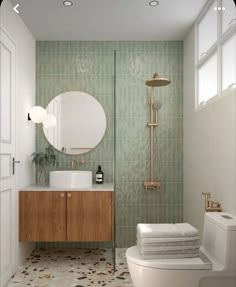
(73, 163)
(210, 205)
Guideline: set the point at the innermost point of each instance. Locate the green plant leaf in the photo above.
(45, 158)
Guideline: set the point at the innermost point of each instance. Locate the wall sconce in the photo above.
(39, 115)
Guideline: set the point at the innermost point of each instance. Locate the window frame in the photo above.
(215, 48)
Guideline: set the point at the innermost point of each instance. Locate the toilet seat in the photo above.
(196, 263)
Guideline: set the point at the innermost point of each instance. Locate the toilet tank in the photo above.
(219, 240)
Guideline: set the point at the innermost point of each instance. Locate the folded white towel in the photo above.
(144, 243)
(166, 230)
(174, 240)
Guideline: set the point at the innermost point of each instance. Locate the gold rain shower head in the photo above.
(157, 81)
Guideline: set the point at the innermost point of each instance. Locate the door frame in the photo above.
(13, 194)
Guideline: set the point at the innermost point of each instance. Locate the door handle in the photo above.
(13, 165)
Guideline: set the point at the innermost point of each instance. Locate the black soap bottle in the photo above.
(99, 175)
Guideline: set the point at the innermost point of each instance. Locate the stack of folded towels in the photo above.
(178, 240)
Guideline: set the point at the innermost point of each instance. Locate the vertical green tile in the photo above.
(88, 67)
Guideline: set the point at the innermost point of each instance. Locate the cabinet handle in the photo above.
(69, 195)
(62, 195)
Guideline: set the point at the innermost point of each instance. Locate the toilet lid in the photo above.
(196, 263)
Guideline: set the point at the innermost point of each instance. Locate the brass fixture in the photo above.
(156, 81)
(210, 205)
(73, 163)
(152, 184)
(82, 160)
(152, 124)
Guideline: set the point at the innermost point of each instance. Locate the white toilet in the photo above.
(215, 266)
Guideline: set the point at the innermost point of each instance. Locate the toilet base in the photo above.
(218, 281)
(151, 277)
(187, 272)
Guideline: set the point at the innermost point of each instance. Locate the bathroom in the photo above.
(194, 142)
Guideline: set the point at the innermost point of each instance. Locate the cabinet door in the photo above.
(42, 216)
(90, 216)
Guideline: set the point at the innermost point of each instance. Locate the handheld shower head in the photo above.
(157, 105)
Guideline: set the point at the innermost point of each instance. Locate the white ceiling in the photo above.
(109, 19)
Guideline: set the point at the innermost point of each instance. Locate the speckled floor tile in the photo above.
(73, 268)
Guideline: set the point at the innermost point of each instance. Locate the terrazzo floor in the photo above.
(73, 268)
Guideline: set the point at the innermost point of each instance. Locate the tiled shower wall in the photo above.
(89, 67)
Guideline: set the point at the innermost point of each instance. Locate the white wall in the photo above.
(209, 147)
(25, 98)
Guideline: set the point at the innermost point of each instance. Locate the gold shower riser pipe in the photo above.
(152, 184)
(151, 136)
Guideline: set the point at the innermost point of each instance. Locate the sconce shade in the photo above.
(37, 114)
(50, 121)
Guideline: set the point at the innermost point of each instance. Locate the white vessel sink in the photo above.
(70, 179)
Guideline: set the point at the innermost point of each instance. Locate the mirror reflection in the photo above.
(81, 122)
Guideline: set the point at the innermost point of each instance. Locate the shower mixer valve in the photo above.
(152, 184)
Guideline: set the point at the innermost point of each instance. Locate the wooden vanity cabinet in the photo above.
(89, 216)
(66, 216)
(42, 216)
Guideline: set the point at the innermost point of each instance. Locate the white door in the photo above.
(7, 152)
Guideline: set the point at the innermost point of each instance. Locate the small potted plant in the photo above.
(43, 161)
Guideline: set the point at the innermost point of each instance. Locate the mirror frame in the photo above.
(100, 110)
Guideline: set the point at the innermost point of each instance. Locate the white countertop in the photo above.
(95, 187)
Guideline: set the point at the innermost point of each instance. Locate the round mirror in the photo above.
(81, 122)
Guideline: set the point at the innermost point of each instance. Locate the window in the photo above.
(228, 15)
(207, 78)
(207, 31)
(215, 50)
(229, 63)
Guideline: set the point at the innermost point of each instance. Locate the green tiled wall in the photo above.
(89, 67)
